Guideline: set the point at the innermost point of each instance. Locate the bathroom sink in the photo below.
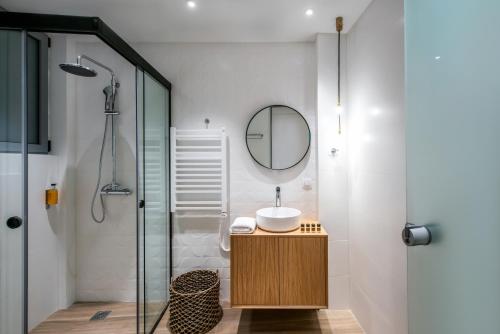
(278, 219)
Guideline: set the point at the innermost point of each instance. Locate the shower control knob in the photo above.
(14, 222)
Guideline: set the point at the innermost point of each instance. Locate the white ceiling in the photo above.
(210, 21)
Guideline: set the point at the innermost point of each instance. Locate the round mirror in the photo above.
(278, 137)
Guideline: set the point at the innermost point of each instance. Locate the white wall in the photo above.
(228, 83)
(332, 169)
(106, 253)
(377, 168)
(51, 247)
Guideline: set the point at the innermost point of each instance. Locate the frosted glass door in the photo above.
(453, 164)
(13, 149)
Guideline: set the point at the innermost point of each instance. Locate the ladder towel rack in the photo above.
(199, 172)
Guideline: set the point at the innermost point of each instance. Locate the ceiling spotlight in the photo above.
(309, 12)
(191, 4)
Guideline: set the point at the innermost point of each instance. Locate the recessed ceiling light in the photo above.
(191, 4)
(309, 12)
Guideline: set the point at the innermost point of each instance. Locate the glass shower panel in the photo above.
(140, 198)
(453, 164)
(13, 149)
(155, 222)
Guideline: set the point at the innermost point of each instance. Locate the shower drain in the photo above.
(100, 315)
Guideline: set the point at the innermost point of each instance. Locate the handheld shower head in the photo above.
(110, 92)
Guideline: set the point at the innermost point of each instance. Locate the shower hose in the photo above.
(98, 184)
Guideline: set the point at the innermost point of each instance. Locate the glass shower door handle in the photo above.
(14, 222)
(416, 235)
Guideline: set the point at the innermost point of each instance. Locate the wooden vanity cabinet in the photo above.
(279, 270)
(255, 277)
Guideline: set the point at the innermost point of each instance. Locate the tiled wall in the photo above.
(377, 168)
(106, 253)
(332, 168)
(51, 247)
(228, 83)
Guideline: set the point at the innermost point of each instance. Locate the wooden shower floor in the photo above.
(122, 321)
(75, 319)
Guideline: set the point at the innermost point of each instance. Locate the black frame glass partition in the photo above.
(28, 24)
(153, 184)
(13, 180)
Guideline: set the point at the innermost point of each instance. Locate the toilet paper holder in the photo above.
(416, 235)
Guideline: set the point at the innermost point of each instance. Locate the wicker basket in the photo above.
(194, 302)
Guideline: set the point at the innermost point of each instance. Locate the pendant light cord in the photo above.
(338, 69)
(339, 23)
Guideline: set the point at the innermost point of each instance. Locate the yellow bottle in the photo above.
(52, 195)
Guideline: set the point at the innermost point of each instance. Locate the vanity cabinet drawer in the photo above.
(279, 270)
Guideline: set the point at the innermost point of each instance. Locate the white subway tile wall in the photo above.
(105, 253)
(377, 194)
(332, 168)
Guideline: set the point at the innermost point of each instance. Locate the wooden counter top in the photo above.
(296, 233)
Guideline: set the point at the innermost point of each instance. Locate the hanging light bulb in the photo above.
(339, 23)
(339, 109)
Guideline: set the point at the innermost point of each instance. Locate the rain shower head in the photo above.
(84, 71)
(78, 69)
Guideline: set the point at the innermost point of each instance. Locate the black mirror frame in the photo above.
(308, 130)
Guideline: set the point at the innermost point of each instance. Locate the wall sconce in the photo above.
(339, 22)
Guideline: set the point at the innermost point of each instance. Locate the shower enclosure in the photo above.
(55, 258)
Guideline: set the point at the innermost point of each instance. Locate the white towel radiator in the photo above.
(199, 173)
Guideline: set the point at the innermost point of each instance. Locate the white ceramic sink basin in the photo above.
(278, 219)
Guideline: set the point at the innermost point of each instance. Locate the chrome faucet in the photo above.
(278, 197)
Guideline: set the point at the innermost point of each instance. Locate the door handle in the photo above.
(416, 235)
(14, 222)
